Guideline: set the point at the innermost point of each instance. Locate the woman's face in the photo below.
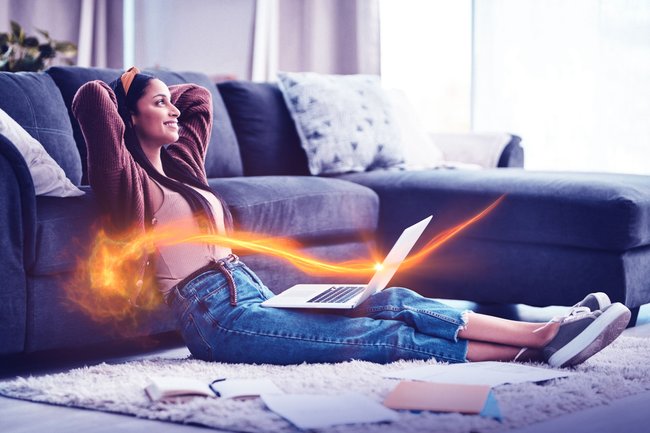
(156, 122)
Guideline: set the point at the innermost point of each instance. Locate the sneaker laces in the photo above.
(575, 314)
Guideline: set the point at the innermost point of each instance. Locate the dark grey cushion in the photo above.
(602, 211)
(305, 208)
(222, 159)
(64, 232)
(33, 100)
(266, 133)
(56, 324)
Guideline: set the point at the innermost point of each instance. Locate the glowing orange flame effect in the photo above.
(105, 283)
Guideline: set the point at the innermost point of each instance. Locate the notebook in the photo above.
(348, 296)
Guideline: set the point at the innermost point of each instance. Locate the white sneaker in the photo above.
(584, 333)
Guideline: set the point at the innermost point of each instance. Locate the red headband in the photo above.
(127, 78)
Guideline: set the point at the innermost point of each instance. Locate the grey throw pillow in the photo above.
(345, 122)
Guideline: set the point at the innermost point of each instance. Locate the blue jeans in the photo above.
(393, 324)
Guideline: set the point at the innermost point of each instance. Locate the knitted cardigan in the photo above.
(122, 186)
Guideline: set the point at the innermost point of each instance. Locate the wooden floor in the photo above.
(626, 415)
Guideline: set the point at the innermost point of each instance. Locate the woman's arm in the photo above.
(195, 105)
(113, 174)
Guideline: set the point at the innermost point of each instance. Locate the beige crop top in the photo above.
(176, 261)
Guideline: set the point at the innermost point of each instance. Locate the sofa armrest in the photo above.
(17, 245)
(484, 149)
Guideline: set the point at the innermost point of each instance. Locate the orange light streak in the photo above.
(105, 281)
(443, 237)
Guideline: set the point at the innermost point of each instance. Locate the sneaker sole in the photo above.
(605, 329)
(611, 333)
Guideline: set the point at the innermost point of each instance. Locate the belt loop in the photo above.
(214, 264)
(221, 264)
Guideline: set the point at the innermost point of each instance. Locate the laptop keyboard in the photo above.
(337, 294)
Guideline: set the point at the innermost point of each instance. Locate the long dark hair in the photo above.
(178, 178)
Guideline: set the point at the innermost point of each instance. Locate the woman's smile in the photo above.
(172, 124)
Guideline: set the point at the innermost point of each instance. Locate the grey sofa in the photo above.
(555, 237)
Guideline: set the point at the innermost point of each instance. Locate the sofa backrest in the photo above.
(267, 135)
(223, 158)
(253, 132)
(34, 101)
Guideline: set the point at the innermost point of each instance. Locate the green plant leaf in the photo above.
(45, 33)
(18, 32)
(19, 52)
(47, 51)
(8, 54)
(31, 42)
(66, 48)
(16, 29)
(29, 64)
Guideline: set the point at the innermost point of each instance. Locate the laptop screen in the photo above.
(397, 254)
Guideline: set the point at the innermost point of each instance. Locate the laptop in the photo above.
(348, 296)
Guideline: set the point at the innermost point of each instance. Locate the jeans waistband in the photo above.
(224, 266)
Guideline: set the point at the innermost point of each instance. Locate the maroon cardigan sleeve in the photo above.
(118, 181)
(195, 104)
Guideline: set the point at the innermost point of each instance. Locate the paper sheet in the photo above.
(308, 411)
(479, 373)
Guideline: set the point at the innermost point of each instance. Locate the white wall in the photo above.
(210, 36)
(426, 51)
(571, 77)
(4, 15)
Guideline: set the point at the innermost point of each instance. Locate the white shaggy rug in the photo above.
(620, 370)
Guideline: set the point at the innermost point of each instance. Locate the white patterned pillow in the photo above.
(345, 122)
(48, 177)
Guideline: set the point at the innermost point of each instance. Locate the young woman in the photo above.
(146, 148)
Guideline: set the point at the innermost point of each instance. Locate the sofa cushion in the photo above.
(64, 232)
(57, 323)
(312, 210)
(33, 100)
(603, 211)
(309, 209)
(345, 122)
(222, 159)
(267, 136)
